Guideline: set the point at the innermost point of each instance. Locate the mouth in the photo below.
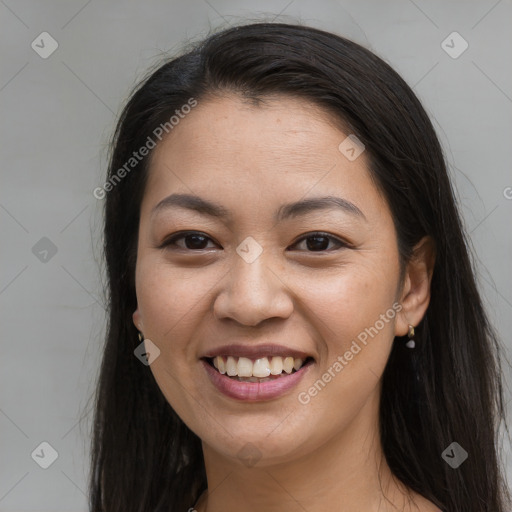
(263, 369)
(258, 370)
(259, 377)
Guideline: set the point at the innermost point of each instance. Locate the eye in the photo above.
(318, 242)
(197, 241)
(194, 240)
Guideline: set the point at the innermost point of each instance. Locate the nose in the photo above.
(253, 292)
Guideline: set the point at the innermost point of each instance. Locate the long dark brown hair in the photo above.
(449, 389)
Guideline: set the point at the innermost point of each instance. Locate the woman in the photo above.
(294, 322)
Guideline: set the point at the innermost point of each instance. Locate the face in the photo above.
(270, 273)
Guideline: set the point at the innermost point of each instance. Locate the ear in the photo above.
(415, 294)
(137, 320)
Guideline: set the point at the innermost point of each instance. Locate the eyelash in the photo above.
(177, 236)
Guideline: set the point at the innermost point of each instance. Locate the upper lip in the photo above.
(256, 351)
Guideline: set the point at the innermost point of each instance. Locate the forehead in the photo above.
(276, 126)
(281, 147)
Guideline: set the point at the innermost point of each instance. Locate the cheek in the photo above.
(166, 299)
(351, 300)
(354, 312)
(355, 346)
(169, 307)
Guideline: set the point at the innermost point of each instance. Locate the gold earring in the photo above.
(411, 343)
(141, 336)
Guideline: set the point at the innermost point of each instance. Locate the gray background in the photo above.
(57, 115)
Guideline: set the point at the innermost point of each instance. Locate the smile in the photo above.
(252, 380)
(258, 370)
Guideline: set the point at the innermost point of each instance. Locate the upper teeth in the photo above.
(244, 367)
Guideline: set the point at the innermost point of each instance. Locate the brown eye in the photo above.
(319, 242)
(194, 241)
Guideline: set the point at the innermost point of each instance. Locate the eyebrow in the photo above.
(285, 211)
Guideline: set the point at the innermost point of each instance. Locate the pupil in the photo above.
(317, 244)
(198, 241)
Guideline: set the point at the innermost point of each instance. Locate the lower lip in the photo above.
(254, 391)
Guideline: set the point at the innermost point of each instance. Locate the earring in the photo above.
(141, 336)
(411, 343)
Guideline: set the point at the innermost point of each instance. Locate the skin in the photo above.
(326, 454)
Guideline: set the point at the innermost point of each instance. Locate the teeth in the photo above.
(276, 366)
(231, 367)
(259, 369)
(244, 367)
(288, 364)
(221, 365)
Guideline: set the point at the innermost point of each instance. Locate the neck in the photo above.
(348, 472)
